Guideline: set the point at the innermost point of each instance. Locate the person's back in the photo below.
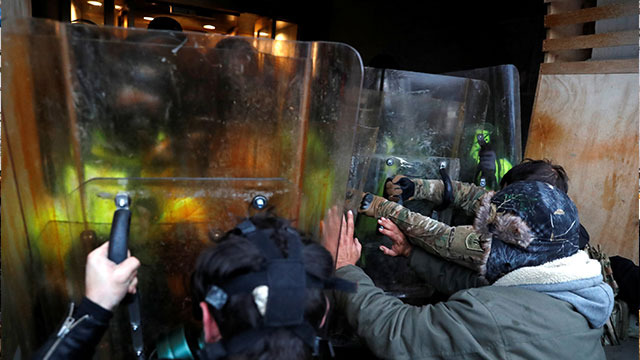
(513, 322)
(489, 322)
(546, 298)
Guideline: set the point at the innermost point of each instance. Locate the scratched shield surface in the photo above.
(424, 122)
(503, 110)
(200, 130)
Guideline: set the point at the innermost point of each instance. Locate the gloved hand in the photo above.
(487, 158)
(369, 204)
(399, 188)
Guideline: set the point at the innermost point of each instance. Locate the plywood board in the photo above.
(588, 123)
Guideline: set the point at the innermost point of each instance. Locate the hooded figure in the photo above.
(532, 233)
(541, 297)
(521, 231)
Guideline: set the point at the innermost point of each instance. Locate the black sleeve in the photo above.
(626, 275)
(79, 334)
(443, 275)
(583, 238)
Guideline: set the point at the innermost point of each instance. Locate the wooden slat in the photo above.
(626, 66)
(592, 41)
(560, 32)
(591, 14)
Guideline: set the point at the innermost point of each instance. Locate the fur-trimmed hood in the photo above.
(528, 223)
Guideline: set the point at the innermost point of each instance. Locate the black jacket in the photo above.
(79, 334)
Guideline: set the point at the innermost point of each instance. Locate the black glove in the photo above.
(399, 189)
(487, 157)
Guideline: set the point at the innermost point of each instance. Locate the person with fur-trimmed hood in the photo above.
(544, 297)
(446, 246)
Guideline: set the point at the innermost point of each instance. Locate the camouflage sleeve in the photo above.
(465, 195)
(460, 244)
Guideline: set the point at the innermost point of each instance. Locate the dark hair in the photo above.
(236, 255)
(537, 170)
(164, 23)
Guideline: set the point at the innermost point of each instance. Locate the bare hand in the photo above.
(338, 238)
(106, 282)
(330, 229)
(350, 248)
(400, 244)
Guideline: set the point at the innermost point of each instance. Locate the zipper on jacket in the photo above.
(68, 325)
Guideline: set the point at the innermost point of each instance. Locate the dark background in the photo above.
(423, 36)
(438, 37)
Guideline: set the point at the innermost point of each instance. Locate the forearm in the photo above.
(460, 244)
(79, 335)
(443, 275)
(421, 230)
(465, 196)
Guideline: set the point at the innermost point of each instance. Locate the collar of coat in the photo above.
(575, 267)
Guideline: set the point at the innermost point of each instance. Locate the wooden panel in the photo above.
(626, 66)
(592, 41)
(589, 124)
(590, 14)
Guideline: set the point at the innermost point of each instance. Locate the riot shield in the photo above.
(366, 137)
(432, 115)
(200, 130)
(426, 122)
(502, 126)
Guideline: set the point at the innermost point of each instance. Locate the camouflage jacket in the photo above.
(460, 244)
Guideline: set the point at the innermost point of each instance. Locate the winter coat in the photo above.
(488, 322)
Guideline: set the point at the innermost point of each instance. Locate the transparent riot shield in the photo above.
(425, 122)
(366, 136)
(432, 115)
(392, 273)
(502, 126)
(199, 130)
